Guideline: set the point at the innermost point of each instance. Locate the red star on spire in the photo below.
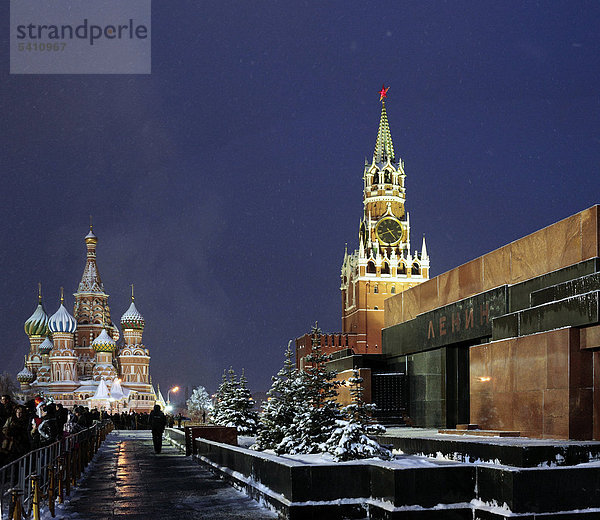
(383, 93)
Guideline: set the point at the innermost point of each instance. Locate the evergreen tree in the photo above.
(223, 405)
(350, 439)
(234, 405)
(198, 403)
(279, 410)
(244, 417)
(317, 410)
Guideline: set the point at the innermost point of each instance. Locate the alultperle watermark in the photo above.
(80, 37)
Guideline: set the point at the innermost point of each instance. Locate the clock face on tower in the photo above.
(389, 231)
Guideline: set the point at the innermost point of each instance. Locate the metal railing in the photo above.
(47, 474)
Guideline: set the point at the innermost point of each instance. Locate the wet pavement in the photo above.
(128, 480)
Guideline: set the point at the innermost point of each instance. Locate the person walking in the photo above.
(158, 421)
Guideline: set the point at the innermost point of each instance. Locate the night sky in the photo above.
(225, 184)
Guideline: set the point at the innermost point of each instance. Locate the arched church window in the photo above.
(375, 289)
(393, 289)
(415, 269)
(371, 268)
(388, 177)
(385, 269)
(401, 268)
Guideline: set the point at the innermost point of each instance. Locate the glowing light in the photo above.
(484, 379)
(168, 408)
(175, 389)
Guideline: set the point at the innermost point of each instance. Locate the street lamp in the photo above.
(175, 389)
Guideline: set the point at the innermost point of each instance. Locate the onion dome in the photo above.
(91, 238)
(37, 324)
(104, 343)
(45, 347)
(61, 320)
(25, 376)
(132, 319)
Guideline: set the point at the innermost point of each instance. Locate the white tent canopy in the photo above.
(101, 393)
(117, 392)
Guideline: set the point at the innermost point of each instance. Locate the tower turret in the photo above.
(91, 309)
(36, 328)
(134, 358)
(63, 370)
(105, 347)
(132, 323)
(382, 265)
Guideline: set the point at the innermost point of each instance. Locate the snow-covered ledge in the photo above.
(302, 488)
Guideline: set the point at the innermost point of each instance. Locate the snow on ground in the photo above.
(431, 433)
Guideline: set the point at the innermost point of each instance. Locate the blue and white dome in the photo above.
(46, 346)
(62, 321)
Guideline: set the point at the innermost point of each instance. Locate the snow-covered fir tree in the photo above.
(234, 406)
(350, 439)
(279, 410)
(245, 417)
(224, 399)
(316, 415)
(198, 403)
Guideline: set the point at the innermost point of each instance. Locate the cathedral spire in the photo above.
(384, 149)
(90, 280)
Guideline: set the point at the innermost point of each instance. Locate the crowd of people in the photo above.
(35, 424)
(136, 421)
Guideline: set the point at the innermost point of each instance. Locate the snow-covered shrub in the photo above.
(350, 439)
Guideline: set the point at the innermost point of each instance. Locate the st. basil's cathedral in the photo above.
(78, 359)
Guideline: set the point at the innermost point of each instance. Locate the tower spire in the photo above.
(384, 149)
(90, 280)
(39, 292)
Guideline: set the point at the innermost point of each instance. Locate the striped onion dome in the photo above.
(37, 324)
(104, 343)
(46, 346)
(132, 319)
(25, 376)
(62, 321)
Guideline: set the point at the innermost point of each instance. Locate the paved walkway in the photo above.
(128, 480)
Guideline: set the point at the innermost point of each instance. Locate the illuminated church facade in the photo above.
(78, 359)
